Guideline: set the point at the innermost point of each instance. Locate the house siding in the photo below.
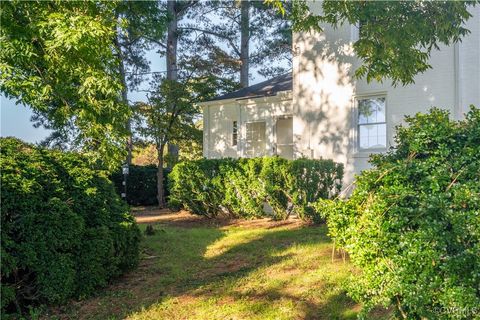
(324, 91)
(219, 116)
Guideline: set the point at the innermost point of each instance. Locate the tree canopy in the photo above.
(397, 37)
(59, 58)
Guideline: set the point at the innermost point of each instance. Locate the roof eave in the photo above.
(278, 96)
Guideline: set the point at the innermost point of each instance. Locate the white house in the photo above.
(321, 111)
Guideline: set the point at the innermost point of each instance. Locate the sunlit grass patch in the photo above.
(230, 272)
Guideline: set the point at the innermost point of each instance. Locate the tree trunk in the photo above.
(129, 123)
(160, 186)
(124, 96)
(244, 43)
(172, 74)
(172, 41)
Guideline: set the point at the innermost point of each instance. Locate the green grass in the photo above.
(201, 272)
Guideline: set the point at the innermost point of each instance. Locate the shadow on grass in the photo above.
(191, 264)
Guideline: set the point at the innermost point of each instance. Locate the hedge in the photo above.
(65, 231)
(412, 224)
(242, 187)
(141, 184)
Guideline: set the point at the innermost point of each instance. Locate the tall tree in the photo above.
(244, 42)
(144, 25)
(240, 36)
(172, 44)
(397, 37)
(58, 58)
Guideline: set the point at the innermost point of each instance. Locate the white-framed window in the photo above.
(234, 133)
(371, 123)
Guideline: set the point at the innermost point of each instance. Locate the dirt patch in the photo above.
(187, 220)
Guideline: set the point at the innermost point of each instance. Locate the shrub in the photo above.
(412, 224)
(197, 186)
(313, 180)
(241, 187)
(244, 195)
(141, 184)
(65, 231)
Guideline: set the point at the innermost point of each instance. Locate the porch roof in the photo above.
(266, 88)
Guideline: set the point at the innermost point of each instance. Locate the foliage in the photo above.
(58, 57)
(241, 187)
(312, 180)
(197, 186)
(412, 224)
(64, 230)
(396, 38)
(144, 154)
(149, 230)
(212, 37)
(170, 115)
(145, 24)
(141, 184)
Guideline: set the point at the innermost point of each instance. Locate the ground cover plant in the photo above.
(412, 225)
(65, 232)
(242, 187)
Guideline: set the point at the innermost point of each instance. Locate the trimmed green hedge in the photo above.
(412, 224)
(241, 187)
(141, 184)
(65, 231)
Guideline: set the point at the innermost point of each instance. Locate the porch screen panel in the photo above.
(284, 128)
(255, 139)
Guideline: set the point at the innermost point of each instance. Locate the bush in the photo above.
(141, 184)
(243, 194)
(241, 187)
(412, 224)
(65, 231)
(197, 186)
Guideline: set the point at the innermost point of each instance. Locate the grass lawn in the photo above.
(194, 268)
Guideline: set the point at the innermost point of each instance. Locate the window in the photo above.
(255, 139)
(372, 126)
(234, 133)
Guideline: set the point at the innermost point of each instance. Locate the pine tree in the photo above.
(238, 37)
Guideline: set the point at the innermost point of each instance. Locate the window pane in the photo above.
(363, 111)
(373, 136)
(371, 110)
(234, 133)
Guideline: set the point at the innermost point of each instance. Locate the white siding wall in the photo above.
(469, 64)
(219, 117)
(324, 91)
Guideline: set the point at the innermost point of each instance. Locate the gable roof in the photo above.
(266, 88)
